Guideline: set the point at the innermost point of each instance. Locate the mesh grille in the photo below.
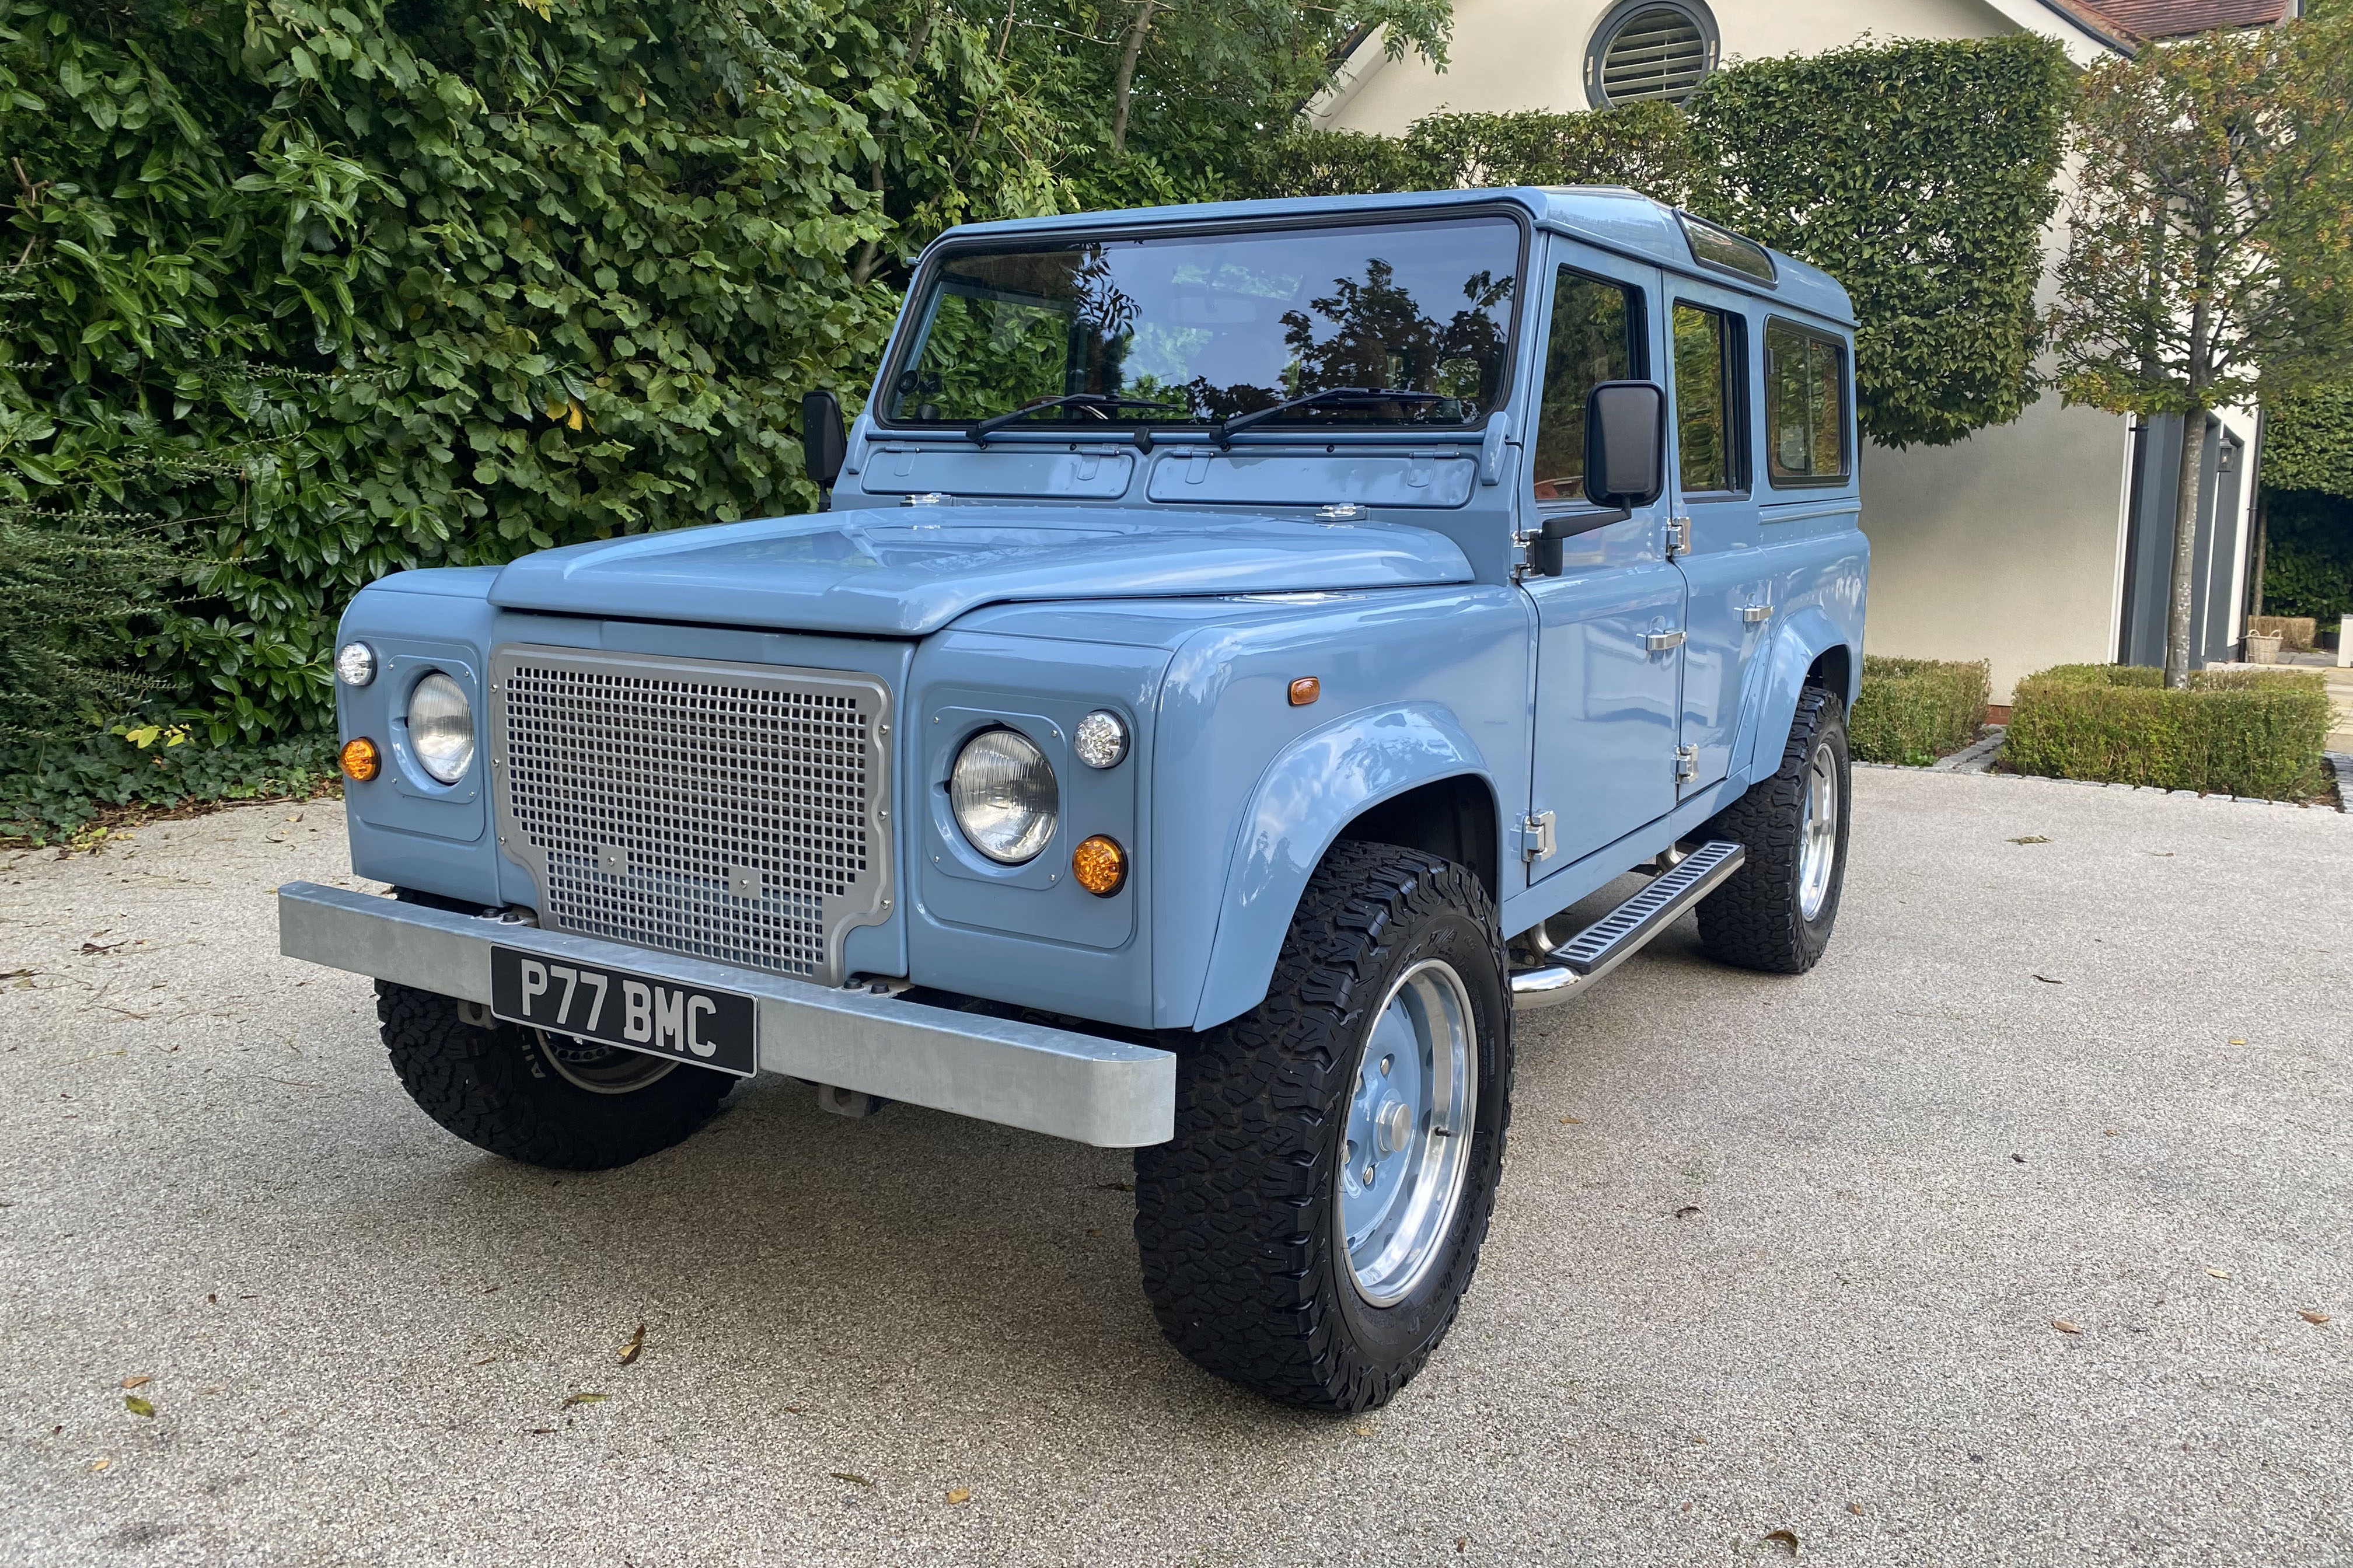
(728, 811)
(1659, 53)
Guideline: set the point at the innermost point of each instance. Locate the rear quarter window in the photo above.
(1805, 406)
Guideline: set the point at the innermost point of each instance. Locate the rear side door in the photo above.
(1713, 390)
(1609, 660)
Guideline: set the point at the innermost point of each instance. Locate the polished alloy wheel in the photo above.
(600, 1069)
(1818, 832)
(1408, 1133)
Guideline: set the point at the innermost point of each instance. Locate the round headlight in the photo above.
(1101, 739)
(355, 663)
(441, 726)
(1003, 793)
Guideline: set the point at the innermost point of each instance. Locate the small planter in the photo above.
(2262, 649)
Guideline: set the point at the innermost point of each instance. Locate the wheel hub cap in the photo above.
(1818, 833)
(1408, 1133)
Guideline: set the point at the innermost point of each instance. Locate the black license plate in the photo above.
(636, 1012)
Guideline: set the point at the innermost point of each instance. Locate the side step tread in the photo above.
(1618, 935)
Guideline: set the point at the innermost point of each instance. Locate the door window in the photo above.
(1596, 337)
(1708, 379)
(1805, 406)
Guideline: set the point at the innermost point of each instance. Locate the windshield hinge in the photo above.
(1537, 838)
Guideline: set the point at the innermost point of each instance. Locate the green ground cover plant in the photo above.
(1914, 711)
(2229, 732)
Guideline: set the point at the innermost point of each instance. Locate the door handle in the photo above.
(1755, 615)
(1660, 642)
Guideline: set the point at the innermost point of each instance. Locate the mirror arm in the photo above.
(1545, 544)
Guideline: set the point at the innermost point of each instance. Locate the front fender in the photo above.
(1800, 639)
(1315, 787)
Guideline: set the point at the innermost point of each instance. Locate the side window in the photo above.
(1596, 337)
(1805, 406)
(1709, 376)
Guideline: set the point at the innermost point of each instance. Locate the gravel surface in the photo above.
(1772, 1256)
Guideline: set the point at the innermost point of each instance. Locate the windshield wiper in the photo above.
(1098, 400)
(1226, 427)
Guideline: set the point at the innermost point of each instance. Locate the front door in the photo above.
(1609, 659)
(1730, 604)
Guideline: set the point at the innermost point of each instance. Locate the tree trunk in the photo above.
(1122, 83)
(2185, 548)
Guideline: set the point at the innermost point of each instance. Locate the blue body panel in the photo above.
(1183, 587)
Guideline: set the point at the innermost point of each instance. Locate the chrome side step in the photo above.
(1619, 934)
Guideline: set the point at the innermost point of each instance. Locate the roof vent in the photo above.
(1649, 51)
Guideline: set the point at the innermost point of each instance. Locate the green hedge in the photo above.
(1914, 711)
(2234, 732)
(56, 788)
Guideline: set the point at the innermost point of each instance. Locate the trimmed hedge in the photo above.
(2232, 731)
(1914, 711)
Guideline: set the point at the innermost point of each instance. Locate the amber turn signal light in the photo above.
(361, 760)
(1305, 689)
(1099, 866)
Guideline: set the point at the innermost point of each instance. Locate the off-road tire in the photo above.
(497, 1088)
(1757, 920)
(1235, 1216)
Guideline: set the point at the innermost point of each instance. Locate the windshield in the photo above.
(1195, 328)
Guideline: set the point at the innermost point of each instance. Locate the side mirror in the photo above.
(1625, 443)
(825, 445)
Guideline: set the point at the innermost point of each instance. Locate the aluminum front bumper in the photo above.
(1057, 1081)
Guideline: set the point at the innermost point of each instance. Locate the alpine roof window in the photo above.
(1713, 245)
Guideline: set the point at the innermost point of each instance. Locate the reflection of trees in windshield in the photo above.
(1222, 325)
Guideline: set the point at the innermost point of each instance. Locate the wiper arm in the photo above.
(1226, 427)
(1095, 400)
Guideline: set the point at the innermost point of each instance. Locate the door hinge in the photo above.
(1686, 761)
(1678, 537)
(1537, 838)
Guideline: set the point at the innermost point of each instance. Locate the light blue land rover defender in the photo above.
(1236, 636)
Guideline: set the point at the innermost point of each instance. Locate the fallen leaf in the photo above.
(92, 948)
(488, 1359)
(1362, 1431)
(1461, 1544)
(2020, 1158)
(1572, 1122)
(2064, 1327)
(2309, 1316)
(212, 1298)
(2109, 1133)
(2048, 981)
(96, 1464)
(959, 1495)
(1787, 1540)
(541, 1431)
(847, 1476)
(2236, 1041)
(137, 1407)
(2029, 839)
(137, 1382)
(1687, 1211)
(571, 1399)
(636, 1344)
(1855, 1508)
(2219, 1273)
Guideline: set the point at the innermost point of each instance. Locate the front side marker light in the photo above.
(1101, 739)
(355, 663)
(1099, 866)
(361, 760)
(1305, 689)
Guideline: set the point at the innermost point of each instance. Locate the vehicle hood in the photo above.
(904, 572)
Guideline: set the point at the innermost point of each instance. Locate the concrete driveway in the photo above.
(1993, 1240)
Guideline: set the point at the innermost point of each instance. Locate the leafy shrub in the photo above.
(2232, 731)
(2295, 632)
(50, 788)
(72, 596)
(2308, 556)
(1914, 711)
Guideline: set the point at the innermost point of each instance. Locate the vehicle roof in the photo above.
(1610, 217)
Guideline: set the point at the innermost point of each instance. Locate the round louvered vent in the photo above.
(1650, 52)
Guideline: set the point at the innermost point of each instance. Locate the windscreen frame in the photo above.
(915, 325)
